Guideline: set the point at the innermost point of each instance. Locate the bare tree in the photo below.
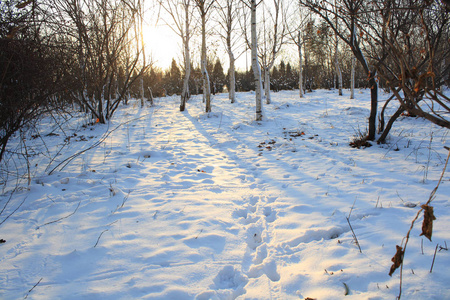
(336, 56)
(33, 68)
(103, 30)
(140, 45)
(296, 24)
(204, 7)
(274, 33)
(228, 14)
(413, 41)
(348, 13)
(180, 11)
(252, 5)
(352, 77)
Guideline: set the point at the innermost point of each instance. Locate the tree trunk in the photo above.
(187, 61)
(141, 89)
(206, 83)
(255, 64)
(373, 109)
(231, 71)
(336, 57)
(232, 75)
(267, 84)
(386, 130)
(352, 79)
(300, 65)
(100, 113)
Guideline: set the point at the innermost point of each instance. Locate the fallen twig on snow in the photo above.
(62, 217)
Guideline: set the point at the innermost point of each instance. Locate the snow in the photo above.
(189, 205)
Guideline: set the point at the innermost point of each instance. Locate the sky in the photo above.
(162, 45)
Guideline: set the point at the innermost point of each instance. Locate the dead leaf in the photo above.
(428, 218)
(397, 260)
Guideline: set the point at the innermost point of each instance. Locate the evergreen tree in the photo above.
(218, 78)
(173, 79)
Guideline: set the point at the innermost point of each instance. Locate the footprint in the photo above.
(261, 254)
(317, 235)
(228, 284)
(254, 238)
(270, 214)
(240, 213)
(269, 268)
(243, 215)
(253, 200)
(229, 278)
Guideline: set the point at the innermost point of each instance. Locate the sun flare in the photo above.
(161, 45)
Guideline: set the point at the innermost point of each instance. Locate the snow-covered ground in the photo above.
(188, 205)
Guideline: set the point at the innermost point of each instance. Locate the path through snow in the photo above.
(184, 205)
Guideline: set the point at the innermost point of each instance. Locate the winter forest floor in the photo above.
(189, 205)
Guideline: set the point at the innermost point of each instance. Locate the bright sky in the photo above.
(162, 44)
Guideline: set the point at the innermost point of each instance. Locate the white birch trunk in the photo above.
(187, 61)
(206, 85)
(232, 79)
(300, 65)
(352, 79)
(338, 70)
(267, 84)
(255, 64)
(336, 58)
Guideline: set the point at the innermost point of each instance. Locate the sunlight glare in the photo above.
(161, 45)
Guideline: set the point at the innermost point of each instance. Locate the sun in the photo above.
(161, 44)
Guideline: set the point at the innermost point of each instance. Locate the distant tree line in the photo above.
(283, 77)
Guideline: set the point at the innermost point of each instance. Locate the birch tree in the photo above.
(228, 14)
(180, 12)
(296, 24)
(336, 55)
(204, 7)
(252, 5)
(352, 78)
(274, 30)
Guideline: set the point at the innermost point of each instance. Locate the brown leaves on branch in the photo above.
(428, 218)
(397, 260)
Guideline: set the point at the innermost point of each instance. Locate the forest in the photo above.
(65, 55)
(292, 149)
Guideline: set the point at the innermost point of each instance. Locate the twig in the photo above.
(433, 192)
(354, 235)
(62, 217)
(201, 230)
(125, 199)
(26, 296)
(351, 209)
(347, 290)
(100, 237)
(65, 162)
(443, 248)
(434, 257)
(14, 210)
